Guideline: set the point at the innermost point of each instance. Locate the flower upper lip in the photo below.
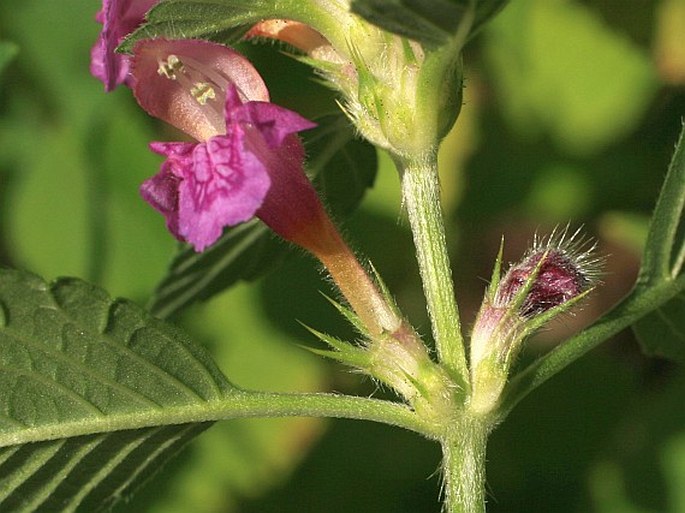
(171, 98)
(119, 18)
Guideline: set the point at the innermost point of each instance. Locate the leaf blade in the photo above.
(430, 22)
(657, 260)
(207, 19)
(88, 473)
(74, 361)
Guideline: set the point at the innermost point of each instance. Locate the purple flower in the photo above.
(248, 161)
(118, 18)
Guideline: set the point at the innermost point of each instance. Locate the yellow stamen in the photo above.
(169, 67)
(203, 92)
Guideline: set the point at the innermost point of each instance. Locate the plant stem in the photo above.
(464, 466)
(234, 404)
(421, 196)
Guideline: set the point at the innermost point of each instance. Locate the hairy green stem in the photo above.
(464, 466)
(235, 404)
(421, 196)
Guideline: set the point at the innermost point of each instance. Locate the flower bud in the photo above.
(553, 276)
(401, 96)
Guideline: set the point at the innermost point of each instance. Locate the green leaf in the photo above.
(86, 473)
(205, 19)
(242, 253)
(430, 22)
(73, 362)
(485, 10)
(537, 52)
(343, 168)
(661, 260)
(662, 333)
(98, 394)
(243, 457)
(7, 52)
(427, 21)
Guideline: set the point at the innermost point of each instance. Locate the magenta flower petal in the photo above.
(249, 161)
(204, 187)
(184, 83)
(274, 122)
(225, 188)
(119, 18)
(161, 191)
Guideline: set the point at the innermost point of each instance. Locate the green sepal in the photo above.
(342, 351)
(325, 67)
(522, 293)
(540, 320)
(496, 272)
(223, 20)
(349, 314)
(384, 290)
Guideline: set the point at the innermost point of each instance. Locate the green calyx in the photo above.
(402, 95)
(398, 360)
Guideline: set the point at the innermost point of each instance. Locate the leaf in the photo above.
(242, 253)
(76, 362)
(343, 168)
(658, 260)
(205, 19)
(485, 10)
(430, 22)
(662, 333)
(86, 473)
(7, 52)
(537, 51)
(243, 457)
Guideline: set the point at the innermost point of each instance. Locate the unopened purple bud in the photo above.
(558, 280)
(554, 274)
(561, 270)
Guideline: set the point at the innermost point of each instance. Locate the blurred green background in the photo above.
(571, 112)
